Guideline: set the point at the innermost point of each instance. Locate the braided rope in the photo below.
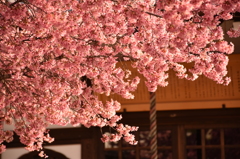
(153, 126)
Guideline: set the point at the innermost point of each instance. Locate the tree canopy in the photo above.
(56, 56)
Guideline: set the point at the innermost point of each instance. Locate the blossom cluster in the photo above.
(56, 56)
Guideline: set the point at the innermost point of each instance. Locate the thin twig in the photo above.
(154, 14)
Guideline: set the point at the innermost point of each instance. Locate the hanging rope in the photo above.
(153, 126)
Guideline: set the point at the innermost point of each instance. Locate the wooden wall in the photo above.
(182, 94)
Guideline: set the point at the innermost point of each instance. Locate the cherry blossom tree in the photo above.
(57, 56)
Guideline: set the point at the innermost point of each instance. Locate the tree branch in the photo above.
(154, 14)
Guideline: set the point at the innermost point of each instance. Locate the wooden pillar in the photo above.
(153, 126)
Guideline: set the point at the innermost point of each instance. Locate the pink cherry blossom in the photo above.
(56, 57)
